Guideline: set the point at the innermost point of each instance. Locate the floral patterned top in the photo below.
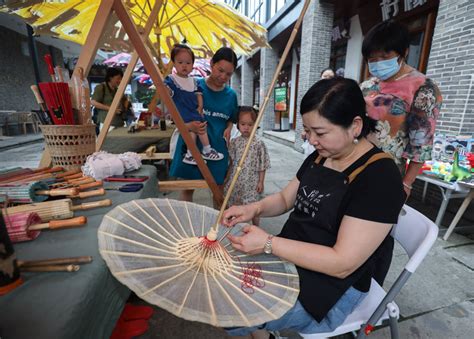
(406, 111)
(245, 189)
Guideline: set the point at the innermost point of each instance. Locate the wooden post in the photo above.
(126, 77)
(157, 78)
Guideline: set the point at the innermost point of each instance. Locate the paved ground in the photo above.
(437, 302)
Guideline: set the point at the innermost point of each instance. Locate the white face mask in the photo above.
(384, 69)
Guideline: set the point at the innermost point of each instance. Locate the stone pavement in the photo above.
(436, 302)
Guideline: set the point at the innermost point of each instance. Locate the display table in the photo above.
(119, 140)
(448, 191)
(462, 208)
(83, 304)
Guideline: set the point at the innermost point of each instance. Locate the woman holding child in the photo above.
(219, 111)
(344, 200)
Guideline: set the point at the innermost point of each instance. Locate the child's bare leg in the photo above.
(204, 138)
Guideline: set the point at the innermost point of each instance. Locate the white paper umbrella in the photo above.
(158, 248)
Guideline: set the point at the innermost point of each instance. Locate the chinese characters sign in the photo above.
(390, 8)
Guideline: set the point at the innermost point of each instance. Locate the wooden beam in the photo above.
(125, 79)
(179, 185)
(157, 78)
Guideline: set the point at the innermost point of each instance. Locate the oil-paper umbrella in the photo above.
(159, 249)
(206, 25)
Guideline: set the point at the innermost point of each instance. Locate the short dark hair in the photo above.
(111, 72)
(227, 54)
(339, 100)
(247, 109)
(386, 36)
(181, 47)
(327, 69)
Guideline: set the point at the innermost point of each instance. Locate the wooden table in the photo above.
(119, 140)
(82, 304)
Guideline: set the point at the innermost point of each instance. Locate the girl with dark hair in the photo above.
(344, 200)
(104, 95)
(187, 96)
(328, 73)
(219, 110)
(404, 102)
(255, 165)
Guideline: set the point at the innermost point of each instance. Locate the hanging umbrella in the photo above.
(206, 25)
(158, 248)
(121, 59)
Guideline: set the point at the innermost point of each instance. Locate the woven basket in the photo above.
(69, 145)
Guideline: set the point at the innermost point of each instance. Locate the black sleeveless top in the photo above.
(324, 197)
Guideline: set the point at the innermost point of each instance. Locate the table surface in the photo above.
(119, 140)
(82, 304)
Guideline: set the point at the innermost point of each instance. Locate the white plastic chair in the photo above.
(416, 234)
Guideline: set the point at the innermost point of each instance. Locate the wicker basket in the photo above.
(69, 145)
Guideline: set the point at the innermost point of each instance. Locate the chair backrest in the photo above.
(416, 234)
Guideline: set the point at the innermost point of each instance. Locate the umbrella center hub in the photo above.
(204, 254)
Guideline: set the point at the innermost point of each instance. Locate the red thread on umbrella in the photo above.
(251, 276)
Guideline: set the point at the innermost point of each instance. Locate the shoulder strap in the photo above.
(318, 159)
(372, 159)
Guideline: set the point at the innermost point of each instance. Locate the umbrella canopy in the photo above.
(121, 59)
(205, 25)
(157, 248)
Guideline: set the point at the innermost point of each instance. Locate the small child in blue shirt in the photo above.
(187, 96)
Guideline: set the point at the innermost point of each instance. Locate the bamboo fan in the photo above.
(57, 209)
(155, 247)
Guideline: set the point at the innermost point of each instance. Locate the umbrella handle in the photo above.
(67, 173)
(51, 268)
(57, 224)
(93, 204)
(94, 193)
(49, 61)
(58, 192)
(89, 185)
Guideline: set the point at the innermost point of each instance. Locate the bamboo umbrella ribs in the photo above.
(146, 244)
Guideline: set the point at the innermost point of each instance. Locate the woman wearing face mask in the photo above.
(404, 102)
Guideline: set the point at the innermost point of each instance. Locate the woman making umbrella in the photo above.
(220, 109)
(345, 198)
(404, 102)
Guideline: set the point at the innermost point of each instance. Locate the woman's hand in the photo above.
(251, 242)
(197, 127)
(260, 187)
(236, 214)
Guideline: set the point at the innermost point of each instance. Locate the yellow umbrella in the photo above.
(205, 25)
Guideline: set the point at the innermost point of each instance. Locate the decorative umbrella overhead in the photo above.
(159, 249)
(206, 25)
(121, 59)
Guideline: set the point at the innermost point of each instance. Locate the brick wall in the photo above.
(16, 70)
(451, 65)
(315, 52)
(236, 84)
(247, 82)
(268, 63)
